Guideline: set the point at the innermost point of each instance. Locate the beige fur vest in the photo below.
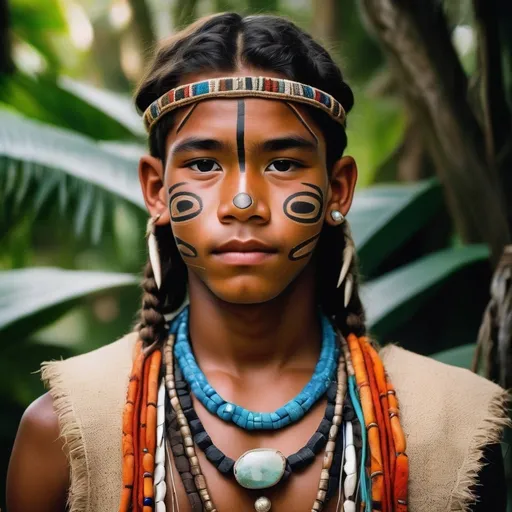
(448, 415)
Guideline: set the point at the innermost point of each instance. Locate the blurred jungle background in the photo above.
(431, 132)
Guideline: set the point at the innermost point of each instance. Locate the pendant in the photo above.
(260, 468)
(262, 504)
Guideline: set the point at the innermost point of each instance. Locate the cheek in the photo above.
(305, 207)
(184, 206)
(304, 217)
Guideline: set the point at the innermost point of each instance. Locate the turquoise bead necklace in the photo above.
(291, 412)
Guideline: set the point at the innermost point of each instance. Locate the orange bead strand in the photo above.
(370, 419)
(129, 411)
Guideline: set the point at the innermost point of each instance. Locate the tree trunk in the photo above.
(184, 13)
(415, 37)
(325, 20)
(106, 55)
(143, 25)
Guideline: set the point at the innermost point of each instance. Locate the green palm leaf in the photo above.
(114, 105)
(394, 297)
(34, 297)
(40, 163)
(55, 101)
(459, 356)
(383, 217)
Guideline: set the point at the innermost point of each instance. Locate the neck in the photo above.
(239, 337)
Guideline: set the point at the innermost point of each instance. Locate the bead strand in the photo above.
(129, 412)
(321, 496)
(200, 484)
(180, 460)
(372, 427)
(291, 412)
(295, 462)
(150, 430)
(159, 476)
(186, 434)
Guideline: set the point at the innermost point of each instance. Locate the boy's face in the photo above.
(247, 191)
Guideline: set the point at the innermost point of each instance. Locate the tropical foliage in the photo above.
(72, 216)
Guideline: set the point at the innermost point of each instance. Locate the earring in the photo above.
(154, 256)
(348, 254)
(337, 216)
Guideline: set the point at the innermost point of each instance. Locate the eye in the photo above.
(204, 165)
(283, 165)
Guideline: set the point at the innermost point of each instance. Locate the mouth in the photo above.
(244, 252)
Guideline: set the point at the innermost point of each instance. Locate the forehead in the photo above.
(261, 118)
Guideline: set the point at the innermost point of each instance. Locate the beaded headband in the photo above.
(251, 86)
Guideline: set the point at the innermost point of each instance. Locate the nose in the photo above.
(245, 201)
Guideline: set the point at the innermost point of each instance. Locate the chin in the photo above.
(246, 289)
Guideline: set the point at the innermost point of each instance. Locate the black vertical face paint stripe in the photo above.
(240, 134)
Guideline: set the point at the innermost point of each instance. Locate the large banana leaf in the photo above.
(459, 356)
(114, 105)
(54, 102)
(34, 297)
(383, 217)
(394, 297)
(20, 381)
(33, 151)
(34, 22)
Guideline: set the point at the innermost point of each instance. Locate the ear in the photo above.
(341, 188)
(152, 182)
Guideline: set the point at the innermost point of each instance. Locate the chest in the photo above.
(297, 493)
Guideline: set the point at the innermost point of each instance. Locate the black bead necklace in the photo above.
(295, 462)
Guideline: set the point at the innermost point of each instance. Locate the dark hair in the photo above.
(226, 42)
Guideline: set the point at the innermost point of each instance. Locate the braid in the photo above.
(329, 260)
(353, 316)
(156, 302)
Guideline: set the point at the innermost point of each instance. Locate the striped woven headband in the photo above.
(252, 86)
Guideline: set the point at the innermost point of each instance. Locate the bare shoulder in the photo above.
(38, 475)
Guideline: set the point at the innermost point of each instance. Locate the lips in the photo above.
(244, 246)
(244, 252)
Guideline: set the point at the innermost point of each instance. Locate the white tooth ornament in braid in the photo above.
(350, 469)
(159, 476)
(348, 255)
(154, 256)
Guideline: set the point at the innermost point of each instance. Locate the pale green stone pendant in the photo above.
(260, 468)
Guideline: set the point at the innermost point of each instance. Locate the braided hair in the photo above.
(224, 43)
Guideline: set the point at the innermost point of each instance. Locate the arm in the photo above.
(38, 475)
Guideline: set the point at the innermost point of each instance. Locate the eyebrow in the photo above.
(283, 143)
(198, 144)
